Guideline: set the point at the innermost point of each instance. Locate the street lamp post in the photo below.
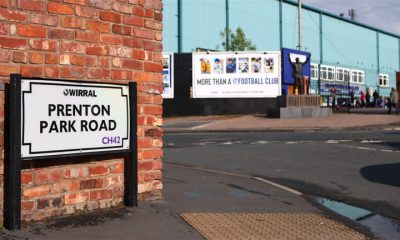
(299, 22)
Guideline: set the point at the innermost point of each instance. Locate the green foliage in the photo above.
(237, 41)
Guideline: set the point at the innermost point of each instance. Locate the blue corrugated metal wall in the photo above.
(259, 20)
(170, 30)
(389, 59)
(344, 44)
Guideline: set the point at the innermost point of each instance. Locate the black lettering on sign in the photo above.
(95, 110)
(71, 126)
(93, 125)
(86, 106)
(58, 126)
(60, 110)
(43, 125)
(52, 108)
(63, 126)
(80, 93)
(53, 127)
(84, 126)
(112, 125)
(78, 110)
(103, 126)
(68, 110)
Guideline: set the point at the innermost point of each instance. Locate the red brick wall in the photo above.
(97, 40)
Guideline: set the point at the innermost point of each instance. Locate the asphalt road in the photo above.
(361, 168)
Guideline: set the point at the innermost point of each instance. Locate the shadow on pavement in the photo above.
(391, 145)
(385, 174)
(369, 111)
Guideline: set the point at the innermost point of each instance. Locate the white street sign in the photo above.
(67, 117)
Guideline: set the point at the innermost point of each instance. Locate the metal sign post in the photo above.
(12, 173)
(131, 162)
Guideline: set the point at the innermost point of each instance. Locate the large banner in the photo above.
(236, 75)
(168, 75)
(340, 88)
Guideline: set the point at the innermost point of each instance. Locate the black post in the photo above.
(179, 16)
(12, 178)
(130, 165)
(227, 27)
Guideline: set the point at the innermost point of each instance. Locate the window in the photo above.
(343, 74)
(357, 76)
(314, 71)
(327, 73)
(383, 80)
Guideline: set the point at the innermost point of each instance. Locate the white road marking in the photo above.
(366, 148)
(392, 129)
(373, 149)
(296, 142)
(387, 150)
(204, 143)
(260, 142)
(201, 126)
(371, 141)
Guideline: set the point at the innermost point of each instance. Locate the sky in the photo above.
(382, 14)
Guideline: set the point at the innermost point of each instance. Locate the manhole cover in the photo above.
(274, 226)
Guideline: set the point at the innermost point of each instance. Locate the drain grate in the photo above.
(274, 226)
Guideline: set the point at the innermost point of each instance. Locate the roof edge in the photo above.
(317, 10)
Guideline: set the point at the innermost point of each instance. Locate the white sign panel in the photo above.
(65, 117)
(293, 57)
(168, 75)
(236, 75)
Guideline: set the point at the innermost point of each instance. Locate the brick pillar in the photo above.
(95, 40)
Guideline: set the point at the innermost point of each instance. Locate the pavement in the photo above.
(190, 190)
(209, 204)
(358, 119)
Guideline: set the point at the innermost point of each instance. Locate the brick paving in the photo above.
(273, 226)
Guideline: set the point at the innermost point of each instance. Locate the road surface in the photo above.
(361, 168)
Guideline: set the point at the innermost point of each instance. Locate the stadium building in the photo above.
(343, 50)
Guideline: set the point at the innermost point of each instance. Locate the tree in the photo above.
(237, 40)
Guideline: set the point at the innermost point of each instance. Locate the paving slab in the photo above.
(272, 226)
